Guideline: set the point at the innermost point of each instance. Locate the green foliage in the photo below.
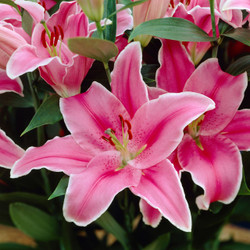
(47, 113)
(61, 188)
(34, 222)
(27, 22)
(98, 49)
(240, 34)
(161, 243)
(172, 28)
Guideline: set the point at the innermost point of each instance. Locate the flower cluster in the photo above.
(129, 129)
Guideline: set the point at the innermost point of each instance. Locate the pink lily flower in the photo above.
(197, 12)
(9, 151)
(210, 147)
(123, 142)
(9, 42)
(231, 11)
(48, 51)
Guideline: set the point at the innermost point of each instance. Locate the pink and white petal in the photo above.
(90, 114)
(154, 93)
(159, 125)
(90, 193)
(217, 168)
(9, 151)
(24, 60)
(65, 10)
(126, 78)
(173, 158)
(59, 154)
(75, 74)
(151, 216)
(35, 10)
(9, 85)
(7, 12)
(161, 188)
(225, 90)
(238, 130)
(124, 20)
(176, 66)
(233, 5)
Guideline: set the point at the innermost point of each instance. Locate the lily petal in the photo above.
(9, 151)
(90, 193)
(173, 59)
(151, 216)
(238, 130)
(59, 154)
(7, 84)
(98, 109)
(159, 125)
(217, 168)
(160, 187)
(126, 77)
(225, 90)
(16, 66)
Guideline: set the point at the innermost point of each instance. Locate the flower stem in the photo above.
(99, 30)
(106, 67)
(212, 17)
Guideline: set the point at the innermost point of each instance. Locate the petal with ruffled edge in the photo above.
(24, 60)
(126, 78)
(8, 85)
(124, 20)
(239, 5)
(34, 9)
(154, 92)
(217, 168)
(225, 90)
(160, 186)
(159, 125)
(151, 216)
(90, 193)
(88, 115)
(9, 151)
(176, 66)
(238, 130)
(59, 154)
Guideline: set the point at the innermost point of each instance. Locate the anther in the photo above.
(43, 39)
(56, 35)
(52, 36)
(61, 31)
(128, 124)
(130, 136)
(122, 120)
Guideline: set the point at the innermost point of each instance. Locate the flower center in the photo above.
(50, 43)
(122, 146)
(185, 2)
(193, 130)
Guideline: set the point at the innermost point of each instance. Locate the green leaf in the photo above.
(34, 222)
(47, 113)
(110, 30)
(244, 190)
(33, 199)
(27, 22)
(13, 246)
(233, 246)
(240, 34)
(11, 3)
(101, 50)
(239, 66)
(107, 222)
(161, 243)
(172, 28)
(61, 188)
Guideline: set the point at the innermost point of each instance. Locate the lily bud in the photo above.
(9, 42)
(92, 8)
(151, 9)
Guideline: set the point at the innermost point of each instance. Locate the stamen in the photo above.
(130, 136)
(110, 141)
(51, 42)
(128, 124)
(122, 120)
(56, 35)
(172, 3)
(61, 31)
(43, 39)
